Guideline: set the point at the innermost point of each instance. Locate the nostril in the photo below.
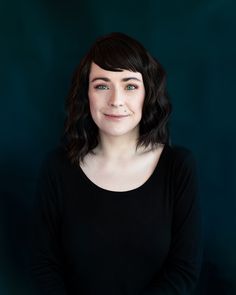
(115, 105)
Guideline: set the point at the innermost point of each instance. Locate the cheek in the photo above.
(138, 104)
(92, 102)
(95, 108)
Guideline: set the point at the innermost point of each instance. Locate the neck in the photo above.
(117, 147)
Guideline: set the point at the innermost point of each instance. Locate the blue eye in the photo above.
(131, 87)
(101, 87)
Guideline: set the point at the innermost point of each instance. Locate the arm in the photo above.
(182, 267)
(46, 263)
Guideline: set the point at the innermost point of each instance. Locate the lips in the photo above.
(116, 115)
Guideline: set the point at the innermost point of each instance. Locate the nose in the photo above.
(115, 99)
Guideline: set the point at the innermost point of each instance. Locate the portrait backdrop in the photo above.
(41, 44)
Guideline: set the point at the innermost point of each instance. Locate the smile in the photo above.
(118, 116)
(115, 117)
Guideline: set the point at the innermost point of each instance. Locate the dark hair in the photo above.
(115, 52)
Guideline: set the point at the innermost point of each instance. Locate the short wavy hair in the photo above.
(116, 52)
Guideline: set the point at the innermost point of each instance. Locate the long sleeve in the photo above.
(88, 240)
(46, 260)
(182, 267)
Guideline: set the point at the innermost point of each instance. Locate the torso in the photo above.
(122, 176)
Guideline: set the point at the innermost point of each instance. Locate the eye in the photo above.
(101, 87)
(131, 87)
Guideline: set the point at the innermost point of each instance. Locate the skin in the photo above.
(116, 101)
(110, 93)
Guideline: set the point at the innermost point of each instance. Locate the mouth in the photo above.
(116, 116)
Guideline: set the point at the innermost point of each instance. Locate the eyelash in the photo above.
(100, 87)
(105, 87)
(132, 85)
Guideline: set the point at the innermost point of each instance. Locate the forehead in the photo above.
(96, 71)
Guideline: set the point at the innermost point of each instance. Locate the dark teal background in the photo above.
(43, 41)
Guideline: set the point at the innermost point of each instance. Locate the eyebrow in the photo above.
(108, 80)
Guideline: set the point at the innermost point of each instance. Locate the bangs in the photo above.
(116, 52)
(116, 55)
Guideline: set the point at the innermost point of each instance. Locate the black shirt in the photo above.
(91, 241)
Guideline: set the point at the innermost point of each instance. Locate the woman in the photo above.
(117, 207)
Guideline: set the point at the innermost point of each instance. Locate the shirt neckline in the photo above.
(155, 172)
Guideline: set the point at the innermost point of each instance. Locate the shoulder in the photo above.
(181, 155)
(180, 151)
(184, 166)
(183, 162)
(54, 159)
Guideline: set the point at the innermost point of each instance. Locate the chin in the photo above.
(117, 133)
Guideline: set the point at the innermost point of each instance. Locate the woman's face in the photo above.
(116, 100)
